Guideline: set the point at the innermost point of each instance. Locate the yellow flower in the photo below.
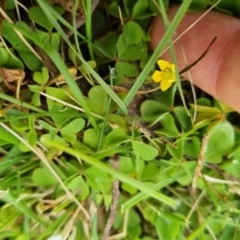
(166, 76)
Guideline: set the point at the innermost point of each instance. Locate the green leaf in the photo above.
(52, 39)
(45, 137)
(35, 88)
(132, 33)
(107, 45)
(232, 166)
(36, 100)
(166, 98)
(213, 157)
(166, 228)
(171, 171)
(151, 110)
(74, 126)
(134, 229)
(31, 61)
(126, 165)
(198, 5)
(19, 125)
(168, 124)
(83, 69)
(134, 53)
(176, 152)
(116, 137)
(115, 120)
(43, 177)
(127, 69)
(144, 151)
(150, 170)
(121, 45)
(69, 132)
(99, 198)
(222, 137)
(225, 6)
(98, 179)
(58, 93)
(41, 77)
(154, 9)
(98, 100)
(69, 137)
(73, 56)
(23, 237)
(119, 78)
(129, 188)
(221, 141)
(37, 15)
(79, 184)
(90, 138)
(139, 8)
(32, 138)
(47, 126)
(12, 62)
(4, 56)
(27, 56)
(204, 102)
(113, 8)
(64, 114)
(192, 147)
(10, 5)
(8, 137)
(183, 118)
(206, 111)
(188, 167)
(236, 8)
(107, 200)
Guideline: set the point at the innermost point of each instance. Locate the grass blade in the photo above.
(169, 32)
(116, 174)
(52, 16)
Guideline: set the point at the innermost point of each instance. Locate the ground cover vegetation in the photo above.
(101, 140)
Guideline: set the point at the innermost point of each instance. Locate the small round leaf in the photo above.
(144, 151)
(127, 69)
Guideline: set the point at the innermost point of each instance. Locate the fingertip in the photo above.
(228, 81)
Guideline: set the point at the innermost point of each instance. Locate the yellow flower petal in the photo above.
(157, 76)
(166, 76)
(165, 85)
(163, 65)
(172, 78)
(172, 67)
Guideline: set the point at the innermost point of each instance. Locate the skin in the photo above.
(218, 73)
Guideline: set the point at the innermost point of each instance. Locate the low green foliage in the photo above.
(85, 118)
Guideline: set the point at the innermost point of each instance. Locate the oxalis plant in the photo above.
(99, 137)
